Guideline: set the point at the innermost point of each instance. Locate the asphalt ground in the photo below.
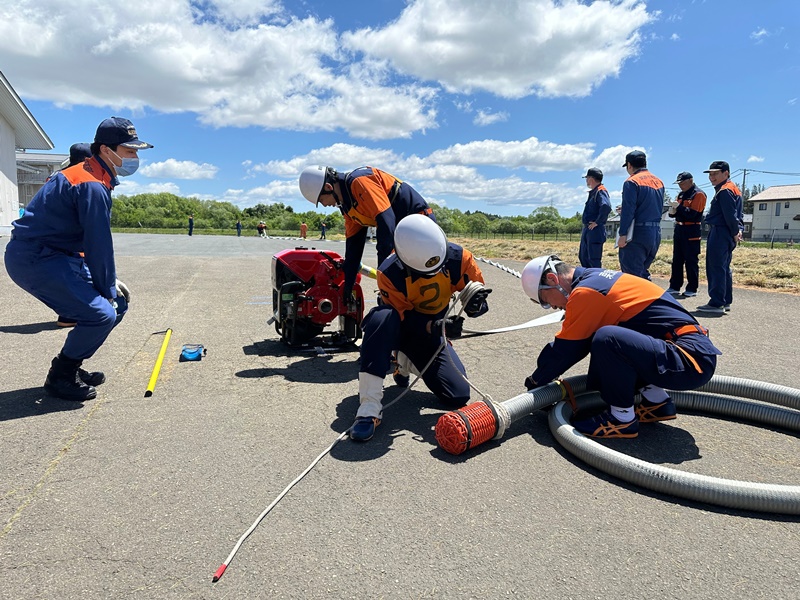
(133, 497)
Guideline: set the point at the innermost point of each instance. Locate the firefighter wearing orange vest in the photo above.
(639, 337)
(367, 197)
(688, 210)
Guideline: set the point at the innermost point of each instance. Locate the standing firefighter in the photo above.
(642, 199)
(367, 197)
(416, 284)
(595, 215)
(688, 212)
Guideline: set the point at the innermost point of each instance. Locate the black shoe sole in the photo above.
(91, 395)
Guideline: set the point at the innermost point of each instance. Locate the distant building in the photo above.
(776, 214)
(18, 131)
(667, 226)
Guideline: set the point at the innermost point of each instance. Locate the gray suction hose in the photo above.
(721, 396)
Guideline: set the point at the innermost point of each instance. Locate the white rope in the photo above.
(463, 297)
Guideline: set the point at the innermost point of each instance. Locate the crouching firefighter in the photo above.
(416, 284)
(639, 337)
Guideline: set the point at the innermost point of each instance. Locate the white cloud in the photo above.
(485, 117)
(532, 154)
(180, 169)
(755, 159)
(236, 64)
(759, 35)
(675, 37)
(128, 187)
(512, 48)
(453, 172)
(792, 102)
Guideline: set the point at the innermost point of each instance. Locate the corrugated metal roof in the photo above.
(27, 132)
(40, 158)
(778, 192)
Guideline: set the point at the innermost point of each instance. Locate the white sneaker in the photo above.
(674, 292)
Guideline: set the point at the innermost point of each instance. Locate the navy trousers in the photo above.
(590, 253)
(637, 256)
(719, 253)
(384, 332)
(685, 252)
(63, 283)
(622, 361)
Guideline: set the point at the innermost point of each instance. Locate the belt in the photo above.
(686, 330)
(393, 192)
(679, 223)
(648, 224)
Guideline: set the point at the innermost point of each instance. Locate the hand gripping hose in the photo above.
(725, 396)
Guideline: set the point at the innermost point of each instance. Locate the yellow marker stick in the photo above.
(368, 271)
(157, 369)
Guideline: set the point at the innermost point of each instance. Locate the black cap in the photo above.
(117, 131)
(78, 153)
(718, 165)
(683, 176)
(636, 158)
(594, 172)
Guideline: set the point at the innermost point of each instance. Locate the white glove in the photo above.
(122, 290)
(674, 204)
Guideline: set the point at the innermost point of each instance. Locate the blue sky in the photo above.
(493, 105)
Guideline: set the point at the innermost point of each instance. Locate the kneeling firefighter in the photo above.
(416, 284)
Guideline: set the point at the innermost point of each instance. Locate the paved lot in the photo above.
(133, 497)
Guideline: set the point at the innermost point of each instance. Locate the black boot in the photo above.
(64, 382)
(92, 377)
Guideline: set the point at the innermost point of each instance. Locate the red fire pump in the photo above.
(307, 296)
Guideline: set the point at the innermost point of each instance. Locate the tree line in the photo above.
(168, 211)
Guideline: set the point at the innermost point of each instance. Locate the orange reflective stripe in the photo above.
(689, 357)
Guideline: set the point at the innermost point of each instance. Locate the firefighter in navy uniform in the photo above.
(688, 210)
(416, 284)
(71, 215)
(595, 215)
(640, 339)
(367, 197)
(642, 200)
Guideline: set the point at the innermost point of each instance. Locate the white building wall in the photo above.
(9, 199)
(765, 222)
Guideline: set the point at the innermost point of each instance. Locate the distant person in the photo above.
(642, 202)
(238, 228)
(688, 210)
(303, 230)
(70, 215)
(262, 229)
(726, 221)
(637, 336)
(322, 228)
(191, 224)
(366, 197)
(595, 215)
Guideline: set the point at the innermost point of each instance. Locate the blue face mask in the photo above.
(128, 166)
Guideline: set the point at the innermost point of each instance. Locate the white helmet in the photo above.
(312, 179)
(532, 276)
(420, 243)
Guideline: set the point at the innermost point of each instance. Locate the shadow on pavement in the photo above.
(30, 328)
(29, 402)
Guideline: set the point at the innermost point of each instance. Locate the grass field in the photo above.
(755, 267)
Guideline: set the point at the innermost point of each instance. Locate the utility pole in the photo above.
(744, 179)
